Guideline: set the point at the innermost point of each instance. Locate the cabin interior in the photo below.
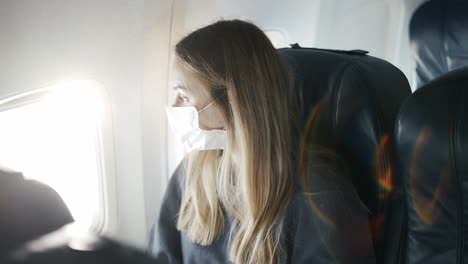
(84, 85)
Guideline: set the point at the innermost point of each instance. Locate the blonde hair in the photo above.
(253, 179)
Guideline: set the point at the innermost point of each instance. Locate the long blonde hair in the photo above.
(253, 179)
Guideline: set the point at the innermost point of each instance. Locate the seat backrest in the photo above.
(350, 104)
(439, 38)
(28, 209)
(432, 148)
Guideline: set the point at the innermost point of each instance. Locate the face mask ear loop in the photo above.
(208, 105)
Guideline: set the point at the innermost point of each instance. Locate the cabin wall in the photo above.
(124, 46)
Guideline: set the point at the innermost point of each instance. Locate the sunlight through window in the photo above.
(55, 140)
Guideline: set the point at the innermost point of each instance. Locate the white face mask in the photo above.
(184, 123)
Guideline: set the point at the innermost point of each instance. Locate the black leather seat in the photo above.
(350, 103)
(432, 146)
(439, 38)
(28, 210)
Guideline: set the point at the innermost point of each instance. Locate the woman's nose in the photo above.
(177, 102)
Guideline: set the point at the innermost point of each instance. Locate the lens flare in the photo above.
(425, 207)
(307, 130)
(384, 170)
(305, 135)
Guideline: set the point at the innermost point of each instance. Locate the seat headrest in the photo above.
(432, 146)
(439, 38)
(350, 104)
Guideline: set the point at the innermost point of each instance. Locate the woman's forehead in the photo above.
(179, 75)
(184, 79)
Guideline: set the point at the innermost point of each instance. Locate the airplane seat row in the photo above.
(431, 138)
(439, 38)
(408, 153)
(350, 102)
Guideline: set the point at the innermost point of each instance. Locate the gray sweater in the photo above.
(328, 224)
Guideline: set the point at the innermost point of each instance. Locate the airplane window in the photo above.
(55, 139)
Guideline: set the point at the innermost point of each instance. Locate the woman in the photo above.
(236, 197)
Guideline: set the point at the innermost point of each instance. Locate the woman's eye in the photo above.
(184, 98)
